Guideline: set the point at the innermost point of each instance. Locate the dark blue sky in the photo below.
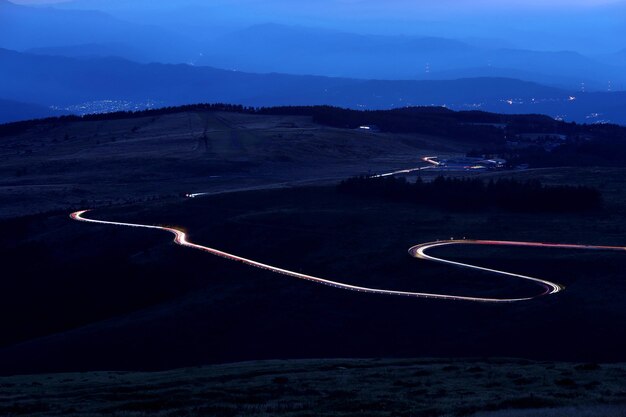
(408, 5)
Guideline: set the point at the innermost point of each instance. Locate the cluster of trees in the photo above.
(435, 121)
(475, 194)
(610, 152)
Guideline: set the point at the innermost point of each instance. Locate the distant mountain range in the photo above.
(92, 50)
(596, 26)
(14, 110)
(290, 49)
(301, 50)
(26, 27)
(65, 82)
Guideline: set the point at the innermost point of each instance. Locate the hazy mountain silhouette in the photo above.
(588, 29)
(305, 50)
(25, 27)
(11, 111)
(616, 58)
(29, 77)
(63, 81)
(566, 83)
(187, 33)
(92, 50)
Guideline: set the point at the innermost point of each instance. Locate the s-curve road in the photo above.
(418, 251)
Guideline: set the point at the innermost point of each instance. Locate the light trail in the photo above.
(418, 251)
(429, 159)
(402, 171)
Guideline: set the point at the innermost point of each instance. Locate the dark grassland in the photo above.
(340, 387)
(58, 164)
(168, 306)
(82, 297)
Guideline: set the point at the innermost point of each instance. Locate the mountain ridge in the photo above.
(27, 77)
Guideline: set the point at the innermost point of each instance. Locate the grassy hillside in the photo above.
(145, 303)
(118, 298)
(61, 163)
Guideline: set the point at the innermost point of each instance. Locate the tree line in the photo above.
(470, 194)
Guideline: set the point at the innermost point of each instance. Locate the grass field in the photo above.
(83, 298)
(423, 387)
(66, 164)
(143, 300)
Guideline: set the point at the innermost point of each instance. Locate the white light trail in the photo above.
(418, 251)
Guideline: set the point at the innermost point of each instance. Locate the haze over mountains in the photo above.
(268, 48)
(83, 85)
(216, 49)
(588, 26)
(23, 28)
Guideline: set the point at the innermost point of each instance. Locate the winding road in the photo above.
(418, 251)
